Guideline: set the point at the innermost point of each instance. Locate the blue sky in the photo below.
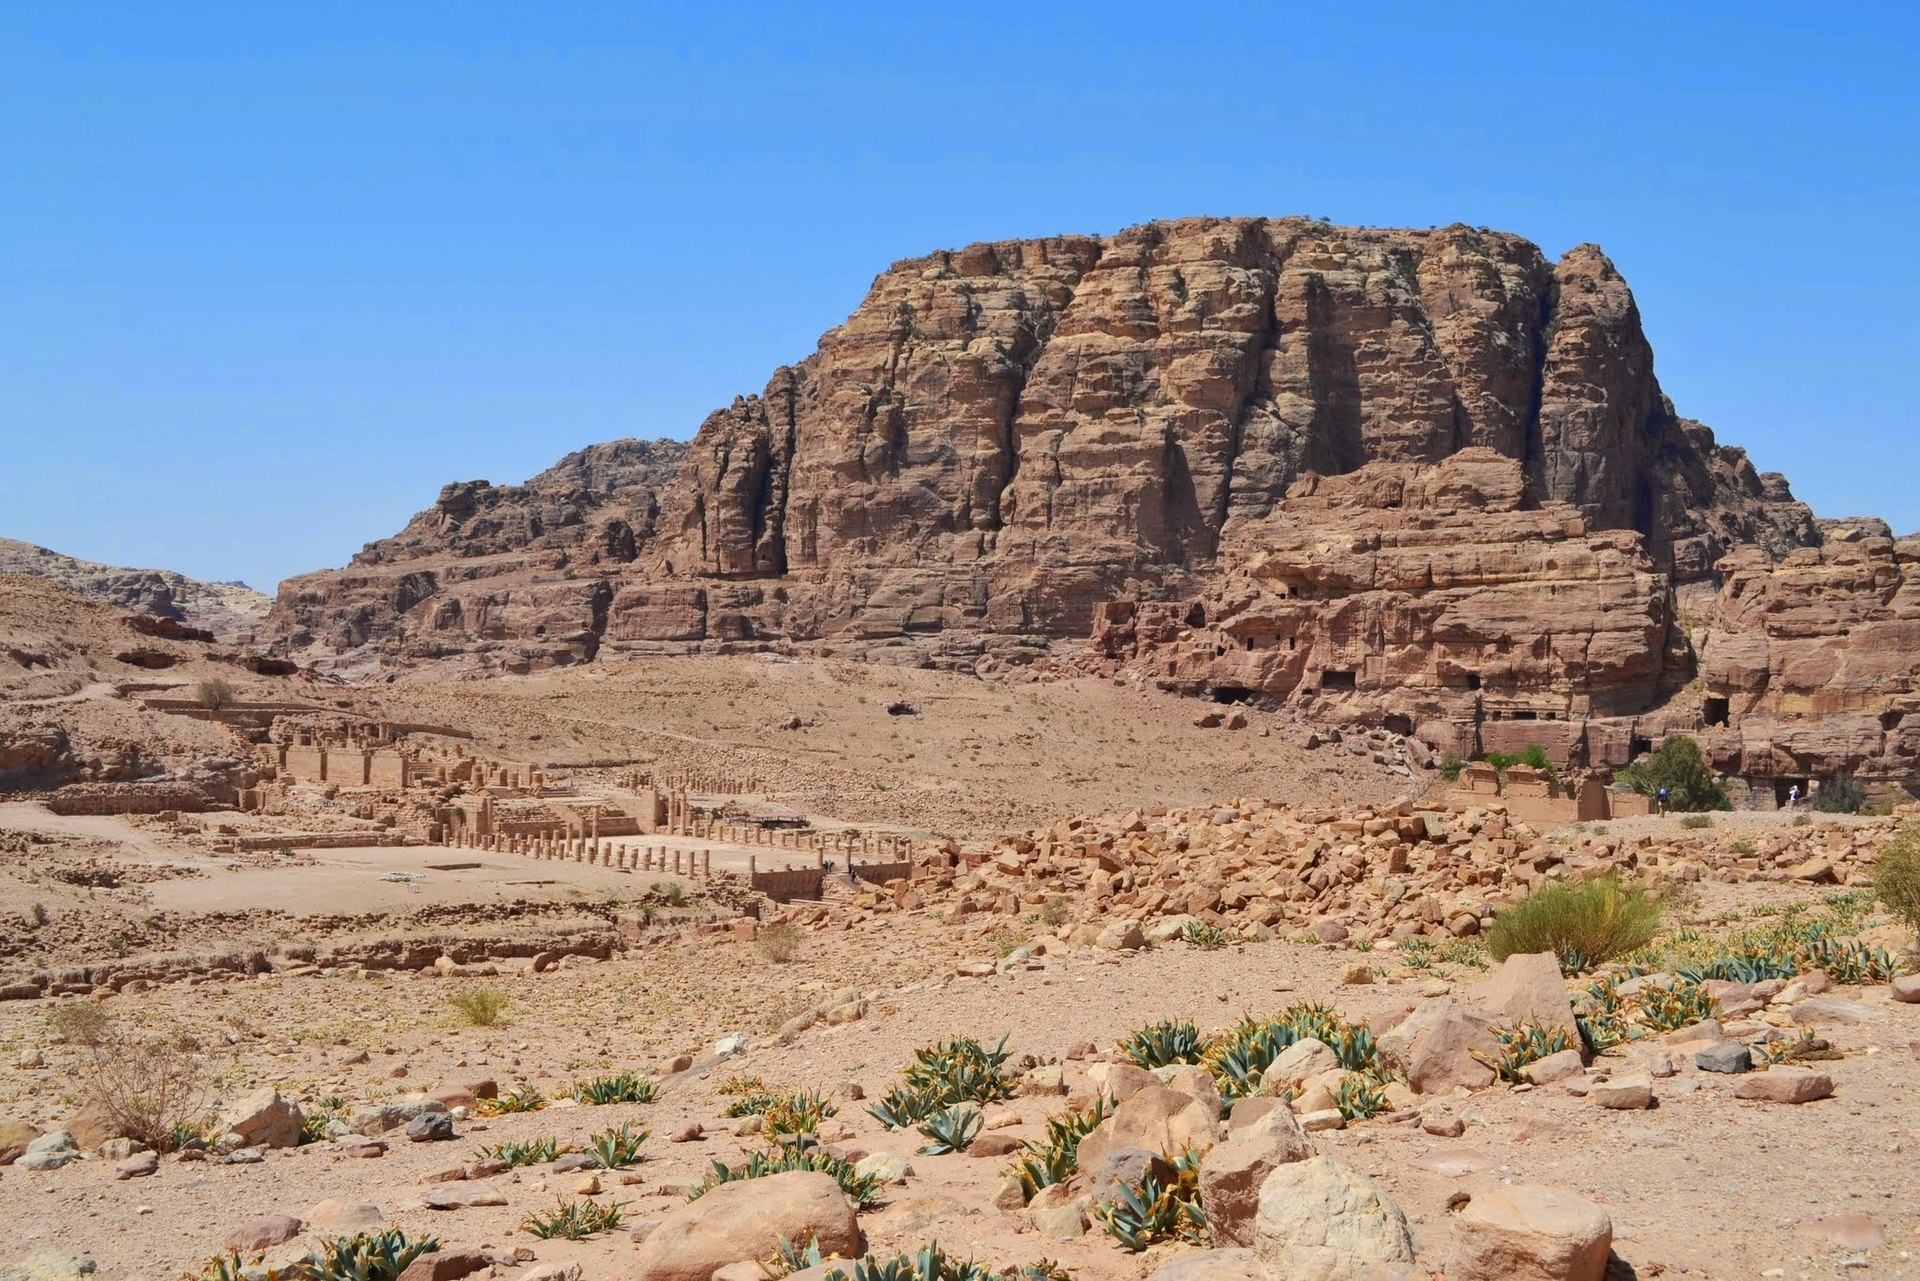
(271, 274)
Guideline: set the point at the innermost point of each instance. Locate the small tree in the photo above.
(214, 695)
(1896, 875)
(1533, 756)
(1679, 769)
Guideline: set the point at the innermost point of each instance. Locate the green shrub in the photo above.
(1583, 923)
(518, 1152)
(1842, 794)
(214, 695)
(479, 1006)
(1896, 875)
(1679, 768)
(1694, 822)
(524, 1097)
(1533, 756)
(1450, 766)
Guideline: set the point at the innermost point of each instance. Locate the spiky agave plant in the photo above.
(1516, 1047)
(960, 1070)
(950, 1130)
(1156, 1210)
(1162, 1044)
(616, 1149)
(624, 1088)
(863, 1188)
(1057, 1158)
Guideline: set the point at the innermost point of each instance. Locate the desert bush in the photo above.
(1055, 912)
(1896, 875)
(479, 1006)
(155, 1088)
(1583, 923)
(214, 695)
(82, 1023)
(1450, 766)
(779, 942)
(1695, 822)
(1678, 767)
(1842, 794)
(1533, 756)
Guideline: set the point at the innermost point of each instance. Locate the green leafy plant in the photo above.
(1679, 768)
(214, 695)
(624, 1088)
(518, 1152)
(1153, 1210)
(575, 1220)
(524, 1097)
(960, 1070)
(1533, 756)
(1203, 936)
(788, 1117)
(789, 1258)
(1056, 1158)
(367, 1256)
(1162, 1044)
(1896, 875)
(931, 1263)
(1602, 1018)
(863, 1188)
(616, 1149)
(315, 1119)
(1583, 923)
(480, 1006)
(1521, 1045)
(950, 1130)
(1679, 1004)
(1450, 766)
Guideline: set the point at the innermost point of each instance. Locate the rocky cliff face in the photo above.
(1003, 438)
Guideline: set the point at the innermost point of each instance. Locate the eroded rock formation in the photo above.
(1004, 437)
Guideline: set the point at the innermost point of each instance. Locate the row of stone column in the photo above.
(638, 858)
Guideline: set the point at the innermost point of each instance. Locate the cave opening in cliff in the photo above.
(1233, 694)
(1331, 679)
(1398, 724)
(1716, 711)
(1891, 720)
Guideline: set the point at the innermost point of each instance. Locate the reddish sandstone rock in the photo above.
(747, 1220)
(1530, 1233)
(1784, 1085)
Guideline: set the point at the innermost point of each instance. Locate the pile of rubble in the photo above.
(1257, 866)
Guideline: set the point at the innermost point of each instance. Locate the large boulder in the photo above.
(1157, 1119)
(1433, 1046)
(1530, 1233)
(1296, 1063)
(1527, 988)
(747, 1220)
(1234, 1172)
(264, 1119)
(1320, 1221)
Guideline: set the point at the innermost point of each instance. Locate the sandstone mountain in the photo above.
(1012, 445)
(233, 611)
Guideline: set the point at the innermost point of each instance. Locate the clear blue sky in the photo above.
(271, 274)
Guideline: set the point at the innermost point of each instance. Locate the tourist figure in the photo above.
(1793, 796)
(1663, 800)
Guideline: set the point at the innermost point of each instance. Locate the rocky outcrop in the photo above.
(1288, 423)
(1002, 437)
(231, 612)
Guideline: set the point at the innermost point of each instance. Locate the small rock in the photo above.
(1443, 1124)
(1530, 1233)
(50, 1152)
(1784, 1085)
(345, 1217)
(1730, 1057)
(430, 1127)
(887, 1167)
(462, 1194)
(1906, 989)
(691, 1132)
(1323, 1119)
(1356, 973)
(1852, 1231)
(137, 1166)
(258, 1234)
(1624, 1093)
(1553, 1067)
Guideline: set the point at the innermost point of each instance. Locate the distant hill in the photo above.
(232, 611)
